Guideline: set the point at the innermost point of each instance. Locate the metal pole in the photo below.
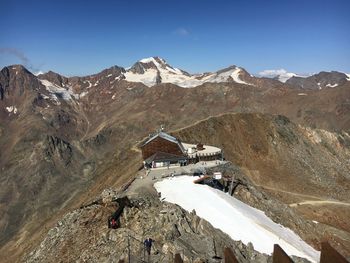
(129, 248)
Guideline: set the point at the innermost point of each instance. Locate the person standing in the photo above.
(148, 245)
(147, 248)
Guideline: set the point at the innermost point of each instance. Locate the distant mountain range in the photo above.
(155, 70)
(65, 138)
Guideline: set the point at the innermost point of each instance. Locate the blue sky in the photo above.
(84, 37)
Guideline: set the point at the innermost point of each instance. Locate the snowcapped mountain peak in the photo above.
(154, 70)
(156, 63)
(153, 60)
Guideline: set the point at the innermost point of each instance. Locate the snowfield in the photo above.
(55, 91)
(235, 218)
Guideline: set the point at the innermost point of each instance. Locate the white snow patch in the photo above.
(151, 59)
(44, 96)
(348, 76)
(332, 85)
(148, 78)
(224, 76)
(12, 109)
(238, 220)
(83, 94)
(109, 75)
(57, 91)
(302, 94)
(147, 60)
(113, 97)
(315, 221)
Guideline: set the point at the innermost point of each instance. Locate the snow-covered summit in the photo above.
(155, 70)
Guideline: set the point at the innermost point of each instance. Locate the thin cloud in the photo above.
(281, 74)
(271, 73)
(20, 55)
(182, 32)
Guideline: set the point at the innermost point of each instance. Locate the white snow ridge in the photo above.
(235, 218)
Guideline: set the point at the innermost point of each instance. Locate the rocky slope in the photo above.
(82, 235)
(292, 163)
(321, 80)
(65, 139)
(268, 187)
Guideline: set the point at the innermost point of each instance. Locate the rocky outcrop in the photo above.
(16, 81)
(319, 81)
(58, 148)
(54, 78)
(83, 235)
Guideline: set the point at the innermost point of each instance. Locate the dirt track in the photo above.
(321, 202)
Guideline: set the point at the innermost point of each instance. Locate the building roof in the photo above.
(208, 150)
(167, 137)
(163, 157)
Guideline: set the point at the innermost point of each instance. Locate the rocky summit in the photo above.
(65, 140)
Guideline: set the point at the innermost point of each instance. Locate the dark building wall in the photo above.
(329, 254)
(160, 145)
(279, 256)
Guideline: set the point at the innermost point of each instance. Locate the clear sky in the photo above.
(84, 37)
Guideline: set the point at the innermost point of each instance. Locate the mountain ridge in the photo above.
(155, 70)
(79, 132)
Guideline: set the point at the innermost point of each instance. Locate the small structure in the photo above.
(163, 150)
(197, 153)
(162, 159)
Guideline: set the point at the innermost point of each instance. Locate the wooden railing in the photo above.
(328, 255)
